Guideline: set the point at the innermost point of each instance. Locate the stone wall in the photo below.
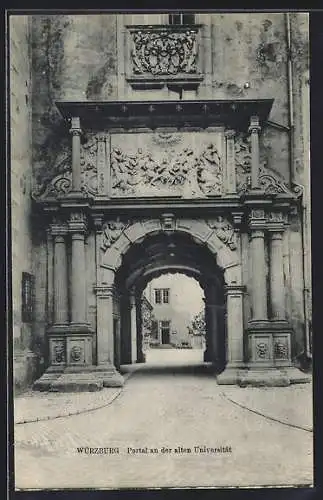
(21, 177)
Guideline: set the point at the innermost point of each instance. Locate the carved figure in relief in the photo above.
(111, 231)
(224, 231)
(183, 173)
(59, 352)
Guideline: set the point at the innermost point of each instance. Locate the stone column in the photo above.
(105, 338)
(50, 276)
(257, 249)
(259, 294)
(77, 228)
(76, 131)
(277, 287)
(103, 159)
(60, 275)
(234, 295)
(98, 221)
(231, 182)
(133, 323)
(254, 130)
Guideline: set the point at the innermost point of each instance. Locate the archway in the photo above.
(139, 250)
(152, 257)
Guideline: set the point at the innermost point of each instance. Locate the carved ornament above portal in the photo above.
(183, 165)
(269, 181)
(111, 232)
(224, 230)
(162, 163)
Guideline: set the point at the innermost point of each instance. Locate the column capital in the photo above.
(101, 137)
(234, 289)
(58, 229)
(104, 291)
(276, 222)
(77, 222)
(229, 133)
(254, 126)
(257, 219)
(75, 126)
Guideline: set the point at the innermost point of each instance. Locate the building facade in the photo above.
(143, 144)
(175, 299)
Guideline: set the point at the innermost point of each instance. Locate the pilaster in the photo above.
(231, 181)
(103, 165)
(235, 336)
(254, 130)
(76, 132)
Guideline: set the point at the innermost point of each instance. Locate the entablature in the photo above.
(211, 162)
(98, 115)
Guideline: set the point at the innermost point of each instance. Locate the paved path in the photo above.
(175, 407)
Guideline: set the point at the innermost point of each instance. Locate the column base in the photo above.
(79, 379)
(230, 376)
(263, 377)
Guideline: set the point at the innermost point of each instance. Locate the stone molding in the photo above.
(229, 260)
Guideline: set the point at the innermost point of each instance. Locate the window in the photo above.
(166, 296)
(27, 297)
(161, 295)
(181, 18)
(158, 296)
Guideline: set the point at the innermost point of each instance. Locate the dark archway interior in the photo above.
(171, 252)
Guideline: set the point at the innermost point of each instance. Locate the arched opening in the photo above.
(172, 255)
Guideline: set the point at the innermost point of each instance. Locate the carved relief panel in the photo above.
(57, 351)
(186, 164)
(160, 163)
(162, 54)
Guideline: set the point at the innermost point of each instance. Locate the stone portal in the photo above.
(142, 177)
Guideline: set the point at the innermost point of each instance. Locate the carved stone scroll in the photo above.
(269, 181)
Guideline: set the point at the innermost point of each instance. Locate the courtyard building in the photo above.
(147, 144)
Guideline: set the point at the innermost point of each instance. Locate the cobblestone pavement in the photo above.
(179, 405)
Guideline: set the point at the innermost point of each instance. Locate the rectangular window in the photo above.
(158, 296)
(166, 296)
(161, 295)
(27, 297)
(181, 18)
